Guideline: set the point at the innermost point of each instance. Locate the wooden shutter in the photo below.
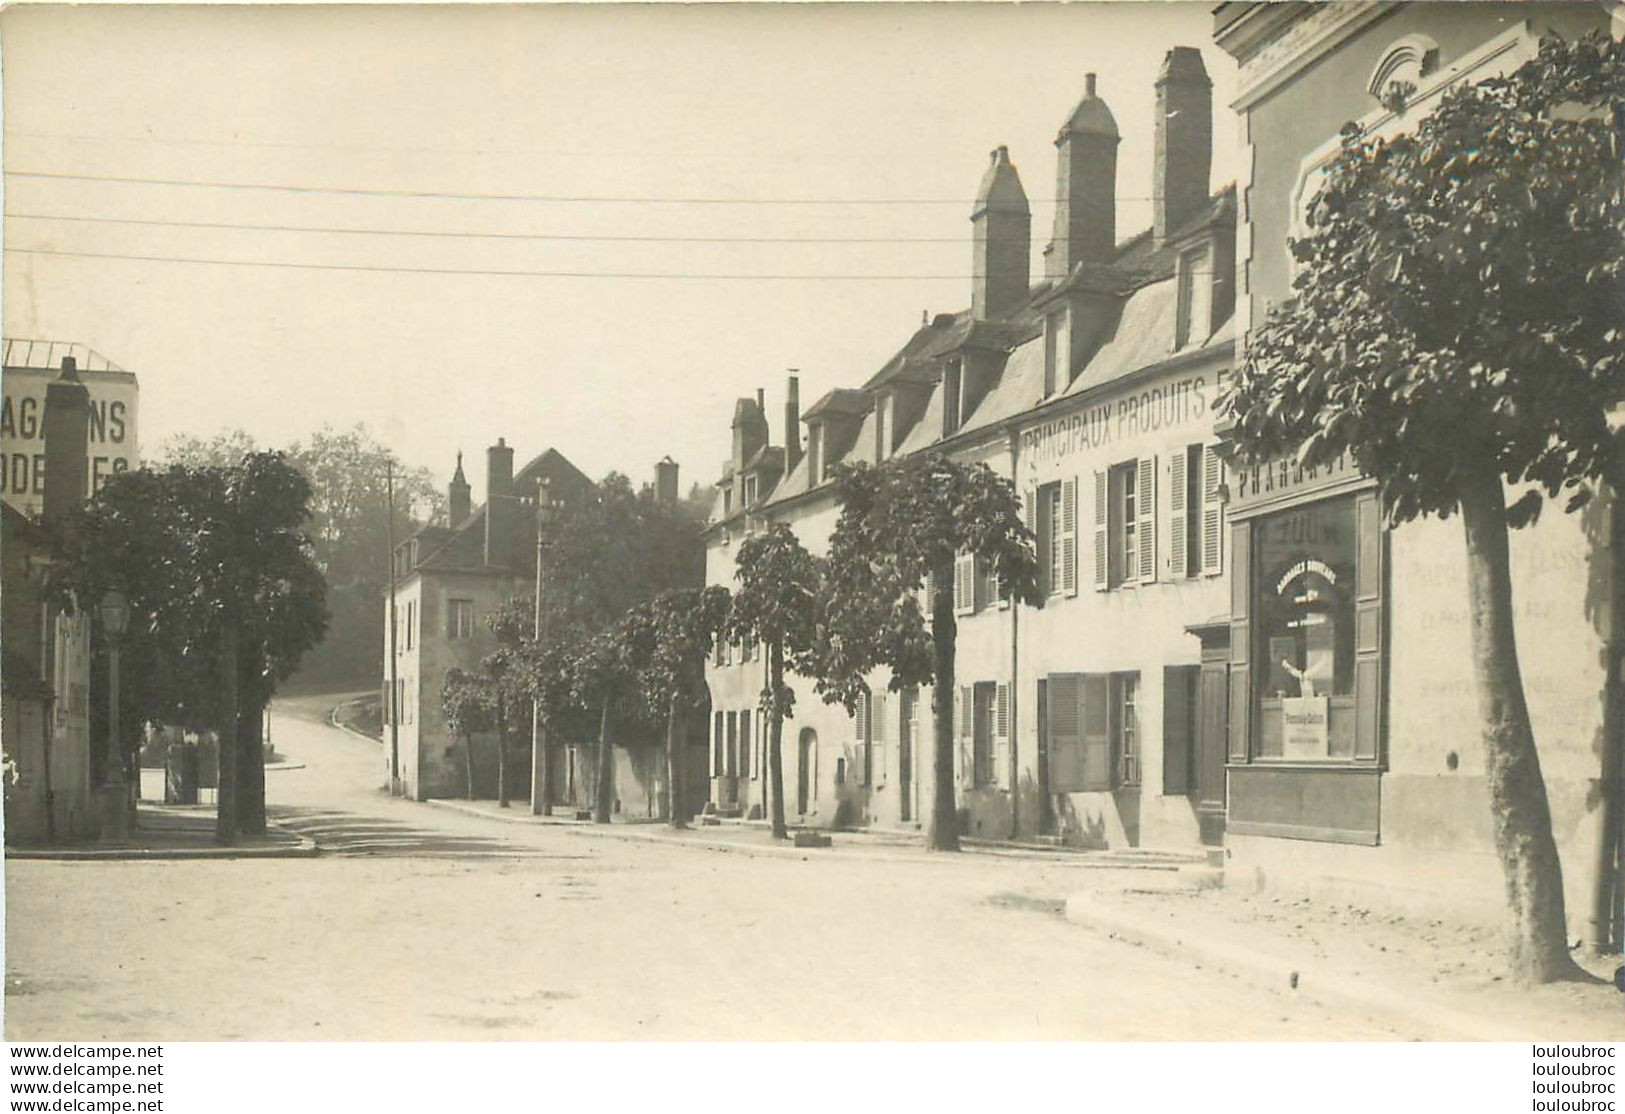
(1095, 725)
(1212, 513)
(967, 730)
(1001, 735)
(1176, 516)
(1368, 578)
(1069, 535)
(746, 767)
(964, 584)
(1178, 728)
(1241, 699)
(1064, 726)
(1145, 529)
(929, 590)
(1102, 551)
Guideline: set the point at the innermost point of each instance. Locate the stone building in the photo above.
(51, 792)
(1091, 720)
(1354, 764)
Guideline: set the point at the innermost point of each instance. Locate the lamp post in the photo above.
(541, 777)
(114, 612)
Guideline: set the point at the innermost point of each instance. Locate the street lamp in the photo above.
(114, 612)
(541, 779)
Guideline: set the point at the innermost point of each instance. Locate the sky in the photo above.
(606, 144)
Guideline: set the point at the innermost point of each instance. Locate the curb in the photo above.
(1328, 987)
(302, 848)
(333, 718)
(968, 853)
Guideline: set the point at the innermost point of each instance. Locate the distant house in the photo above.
(447, 582)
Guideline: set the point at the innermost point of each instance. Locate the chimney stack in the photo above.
(1002, 233)
(67, 442)
(498, 470)
(750, 430)
(1184, 141)
(459, 498)
(792, 422)
(501, 508)
(666, 481)
(1085, 188)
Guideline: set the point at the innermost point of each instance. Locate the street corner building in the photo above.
(1244, 661)
(447, 583)
(1355, 769)
(67, 423)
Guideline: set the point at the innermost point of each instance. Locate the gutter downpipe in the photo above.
(1015, 672)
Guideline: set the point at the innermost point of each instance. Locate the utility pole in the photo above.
(541, 775)
(391, 705)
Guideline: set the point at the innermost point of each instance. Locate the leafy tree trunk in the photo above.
(676, 815)
(1519, 810)
(603, 792)
(251, 767)
(541, 781)
(943, 834)
(502, 754)
(775, 740)
(226, 748)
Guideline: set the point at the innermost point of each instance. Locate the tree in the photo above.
(225, 596)
(465, 700)
(1456, 328)
(671, 639)
(604, 677)
(899, 523)
(776, 605)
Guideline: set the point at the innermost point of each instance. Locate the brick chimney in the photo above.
(666, 480)
(1184, 141)
(750, 430)
(1085, 187)
(459, 500)
(67, 442)
(501, 507)
(1002, 239)
(792, 422)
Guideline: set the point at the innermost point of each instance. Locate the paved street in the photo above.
(419, 922)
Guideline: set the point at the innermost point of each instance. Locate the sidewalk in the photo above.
(1439, 981)
(178, 832)
(1153, 870)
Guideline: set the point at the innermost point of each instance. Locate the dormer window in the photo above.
(1057, 353)
(727, 501)
(1194, 297)
(882, 427)
(750, 491)
(815, 455)
(950, 398)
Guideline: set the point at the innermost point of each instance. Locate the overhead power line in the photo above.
(279, 187)
(490, 271)
(445, 234)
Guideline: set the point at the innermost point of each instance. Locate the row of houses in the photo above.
(1246, 659)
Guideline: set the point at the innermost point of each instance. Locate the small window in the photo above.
(750, 491)
(1057, 353)
(1192, 265)
(1049, 517)
(1126, 725)
(1125, 554)
(459, 619)
(950, 398)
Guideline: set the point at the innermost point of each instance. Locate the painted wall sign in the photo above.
(1254, 484)
(1164, 406)
(113, 448)
(1305, 722)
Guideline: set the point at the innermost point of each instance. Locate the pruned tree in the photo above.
(671, 638)
(776, 604)
(901, 523)
(1456, 328)
(604, 676)
(465, 701)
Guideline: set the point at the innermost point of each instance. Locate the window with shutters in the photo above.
(1125, 524)
(1125, 728)
(1212, 512)
(1122, 521)
(1056, 530)
(459, 619)
(984, 730)
(1185, 506)
(1078, 731)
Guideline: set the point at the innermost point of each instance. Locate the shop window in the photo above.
(1304, 605)
(459, 619)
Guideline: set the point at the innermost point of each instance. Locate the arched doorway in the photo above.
(806, 770)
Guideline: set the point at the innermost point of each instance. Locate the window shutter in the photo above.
(967, 727)
(1241, 696)
(1029, 517)
(1145, 530)
(1178, 728)
(746, 767)
(877, 738)
(717, 740)
(1069, 536)
(1102, 557)
(1097, 741)
(1064, 711)
(964, 584)
(1001, 735)
(1368, 576)
(929, 591)
(1212, 513)
(1176, 515)
(988, 583)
